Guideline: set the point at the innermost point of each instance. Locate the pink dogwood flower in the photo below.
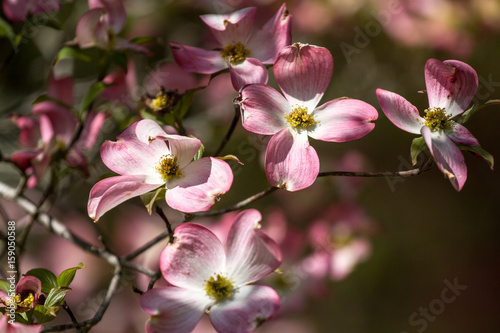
(303, 72)
(451, 85)
(19, 10)
(7, 327)
(145, 161)
(205, 276)
(27, 292)
(243, 54)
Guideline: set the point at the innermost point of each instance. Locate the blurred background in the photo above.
(421, 236)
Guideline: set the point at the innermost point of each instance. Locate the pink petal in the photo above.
(173, 309)
(92, 30)
(92, 129)
(194, 59)
(15, 10)
(343, 120)
(448, 157)
(195, 255)
(450, 85)
(203, 182)
(249, 71)
(115, 13)
(461, 135)
(250, 308)
(61, 89)
(172, 78)
(263, 109)
(110, 192)
(251, 254)
(291, 163)
(121, 44)
(303, 73)
(269, 40)
(5, 327)
(30, 130)
(29, 284)
(400, 112)
(231, 28)
(59, 122)
(146, 130)
(184, 148)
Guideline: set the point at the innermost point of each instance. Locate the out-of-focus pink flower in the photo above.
(27, 292)
(303, 72)
(144, 162)
(100, 25)
(451, 85)
(6, 327)
(57, 126)
(340, 240)
(242, 53)
(205, 276)
(19, 10)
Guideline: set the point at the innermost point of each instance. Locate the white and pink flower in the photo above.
(205, 276)
(303, 72)
(244, 54)
(145, 157)
(451, 85)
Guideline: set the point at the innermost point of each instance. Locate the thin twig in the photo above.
(160, 212)
(148, 245)
(230, 131)
(405, 173)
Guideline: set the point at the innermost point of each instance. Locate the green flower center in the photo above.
(168, 168)
(300, 118)
(437, 119)
(219, 288)
(237, 52)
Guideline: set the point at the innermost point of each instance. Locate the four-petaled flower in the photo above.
(451, 85)
(242, 53)
(145, 161)
(303, 73)
(205, 276)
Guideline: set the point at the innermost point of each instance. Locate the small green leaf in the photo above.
(200, 152)
(480, 152)
(183, 105)
(4, 285)
(92, 94)
(418, 145)
(47, 98)
(149, 199)
(66, 277)
(55, 296)
(6, 29)
(72, 53)
(230, 157)
(44, 314)
(48, 279)
(464, 117)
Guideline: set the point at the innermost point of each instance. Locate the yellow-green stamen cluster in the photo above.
(219, 288)
(161, 101)
(168, 168)
(237, 52)
(300, 118)
(17, 303)
(437, 119)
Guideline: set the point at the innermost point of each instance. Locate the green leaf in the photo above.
(200, 152)
(230, 157)
(44, 314)
(72, 53)
(6, 29)
(476, 107)
(4, 285)
(47, 98)
(183, 105)
(92, 94)
(480, 152)
(55, 296)
(45, 276)
(418, 145)
(66, 277)
(149, 199)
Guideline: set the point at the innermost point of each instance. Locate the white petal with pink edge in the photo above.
(233, 27)
(400, 112)
(461, 135)
(195, 255)
(291, 163)
(250, 307)
(343, 120)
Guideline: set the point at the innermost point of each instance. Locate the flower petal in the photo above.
(194, 256)
(250, 308)
(448, 157)
(233, 27)
(303, 73)
(203, 182)
(171, 77)
(249, 71)
(115, 13)
(400, 112)
(263, 109)
(59, 121)
(61, 89)
(268, 41)
(110, 192)
(461, 135)
(93, 125)
(343, 120)
(251, 254)
(15, 10)
(29, 284)
(291, 163)
(184, 148)
(6, 327)
(194, 59)
(91, 30)
(173, 309)
(450, 85)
